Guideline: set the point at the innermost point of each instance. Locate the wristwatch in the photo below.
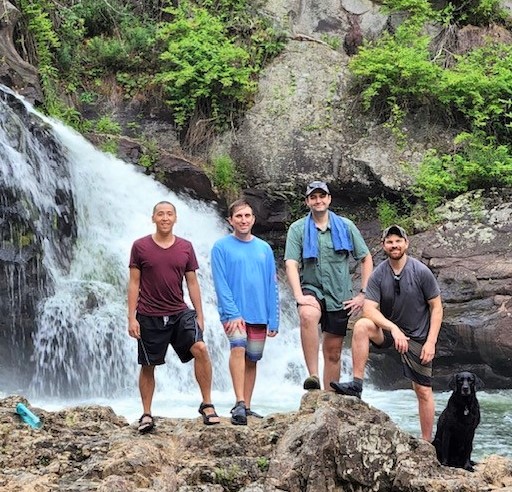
(363, 291)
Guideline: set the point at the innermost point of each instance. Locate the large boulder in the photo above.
(332, 443)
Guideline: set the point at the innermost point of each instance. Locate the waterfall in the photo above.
(68, 217)
(81, 347)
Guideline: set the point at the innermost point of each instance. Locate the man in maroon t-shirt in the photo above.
(158, 315)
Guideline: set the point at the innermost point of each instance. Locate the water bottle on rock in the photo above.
(28, 417)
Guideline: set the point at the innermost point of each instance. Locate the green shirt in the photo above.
(328, 276)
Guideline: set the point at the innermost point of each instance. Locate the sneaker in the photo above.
(238, 414)
(348, 389)
(250, 413)
(312, 383)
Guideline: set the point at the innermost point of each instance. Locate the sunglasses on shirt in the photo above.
(397, 278)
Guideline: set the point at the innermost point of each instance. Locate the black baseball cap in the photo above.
(317, 185)
(394, 229)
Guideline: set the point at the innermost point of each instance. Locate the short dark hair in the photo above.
(163, 202)
(241, 202)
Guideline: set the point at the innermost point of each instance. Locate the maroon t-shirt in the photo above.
(161, 275)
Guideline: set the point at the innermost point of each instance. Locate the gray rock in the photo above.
(332, 443)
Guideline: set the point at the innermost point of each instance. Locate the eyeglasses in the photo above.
(397, 278)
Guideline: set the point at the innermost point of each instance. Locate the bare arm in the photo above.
(355, 304)
(195, 296)
(436, 317)
(292, 273)
(133, 297)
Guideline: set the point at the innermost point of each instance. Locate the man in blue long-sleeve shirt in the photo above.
(244, 274)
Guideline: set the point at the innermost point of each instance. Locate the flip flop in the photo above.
(207, 418)
(146, 423)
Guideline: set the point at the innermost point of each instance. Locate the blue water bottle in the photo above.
(28, 417)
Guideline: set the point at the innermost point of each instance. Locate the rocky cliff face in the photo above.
(332, 443)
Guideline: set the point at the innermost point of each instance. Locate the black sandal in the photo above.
(251, 413)
(147, 425)
(207, 418)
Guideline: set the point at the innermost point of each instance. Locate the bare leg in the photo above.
(364, 331)
(147, 387)
(331, 347)
(250, 379)
(203, 373)
(237, 369)
(426, 409)
(310, 339)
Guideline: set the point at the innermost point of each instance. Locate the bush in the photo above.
(479, 163)
(397, 70)
(480, 87)
(201, 65)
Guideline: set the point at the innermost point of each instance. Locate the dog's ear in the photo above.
(452, 384)
(479, 384)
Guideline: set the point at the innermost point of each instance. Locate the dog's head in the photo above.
(465, 383)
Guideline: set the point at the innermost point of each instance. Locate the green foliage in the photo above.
(479, 163)
(396, 69)
(150, 153)
(110, 146)
(244, 23)
(201, 65)
(46, 41)
(263, 463)
(419, 12)
(224, 174)
(227, 476)
(480, 87)
(126, 52)
(396, 212)
(479, 13)
(106, 125)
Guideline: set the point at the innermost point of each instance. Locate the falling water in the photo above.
(81, 349)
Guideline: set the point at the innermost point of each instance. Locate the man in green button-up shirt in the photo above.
(317, 266)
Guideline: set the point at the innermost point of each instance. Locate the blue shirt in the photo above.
(245, 279)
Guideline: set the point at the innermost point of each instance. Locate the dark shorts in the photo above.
(412, 367)
(157, 332)
(333, 322)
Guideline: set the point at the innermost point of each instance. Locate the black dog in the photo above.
(458, 421)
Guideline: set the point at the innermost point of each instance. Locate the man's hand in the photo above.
(427, 352)
(308, 300)
(134, 328)
(234, 325)
(355, 304)
(271, 333)
(401, 341)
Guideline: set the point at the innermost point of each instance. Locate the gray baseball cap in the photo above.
(317, 185)
(394, 229)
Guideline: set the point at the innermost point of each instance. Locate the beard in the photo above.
(395, 254)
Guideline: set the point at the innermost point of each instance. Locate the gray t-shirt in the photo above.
(409, 309)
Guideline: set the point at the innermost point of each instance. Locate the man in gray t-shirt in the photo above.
(402, 309)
